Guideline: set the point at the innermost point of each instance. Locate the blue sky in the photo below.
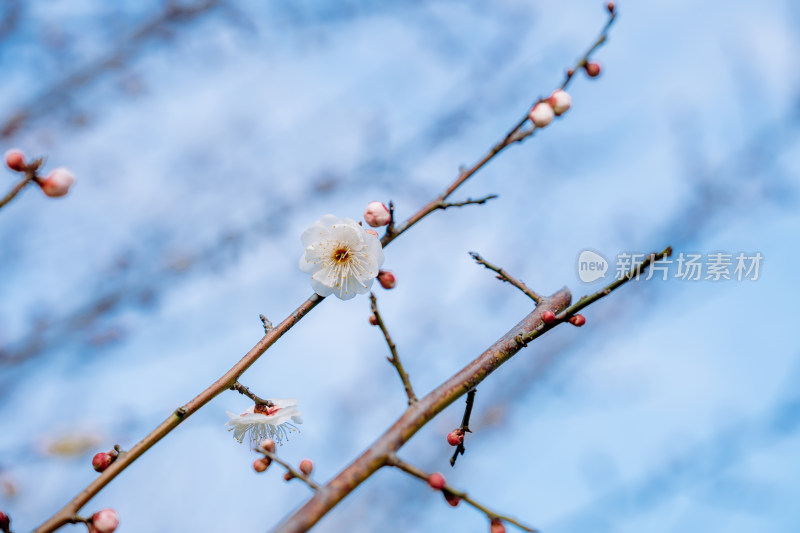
(217, 140)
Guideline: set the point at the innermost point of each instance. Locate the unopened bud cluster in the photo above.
(56, 183)
(557, 104)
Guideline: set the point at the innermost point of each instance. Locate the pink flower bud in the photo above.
(592, 69)
(548, 317)
(105, 521)
(102, 460)
(5, 521)
(452, 499)
(306, 466)
(497, 526)
(376, 214)
(560, 101)
(577, 320)
(386, 279)
(288, 476)
(455, 437)
(15, 159)
(437, 481)
(372, 232)
(373, 319)
(58, 182)
(268, 444)
(260, 465)
(541, 114)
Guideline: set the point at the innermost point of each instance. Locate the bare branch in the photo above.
(241, 389)
(502, 275)
(464, 426)
(394, 461)
(394, 359)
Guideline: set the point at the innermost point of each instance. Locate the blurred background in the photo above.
(206, 135)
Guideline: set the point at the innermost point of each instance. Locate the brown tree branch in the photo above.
(229, 378)
(241, 389)
(394, 359)
(379, 453)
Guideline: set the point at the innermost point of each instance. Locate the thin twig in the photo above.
(289, 468)
(633, 273)
(16, 189)
(31, 174)
(505, 276)
(394, 359)
(266, 323)
(464, 426)
(468, 201)
(241, 389)
(394, 461)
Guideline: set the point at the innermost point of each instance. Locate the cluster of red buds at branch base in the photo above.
(377, 214)
(58, 181)
(386, 279)
(5, 522)
(105, 521)
(455, 437)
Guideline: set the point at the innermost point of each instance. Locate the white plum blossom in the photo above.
(342, 258)
(261, 421)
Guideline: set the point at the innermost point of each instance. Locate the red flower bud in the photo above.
(592, 69)
(5, 521)
(260, 465)
(102, 460)
(105, 521)
(268, 444)
(452, 499)
(455, 437)
(58, 182)
(577, 320)
(386, 279)
(377, 214)
(436, 481)
(611, 7)
(306, 466)
(15, 159)
(373, 319)
(548, 317)
(497, 526)
(288, 476)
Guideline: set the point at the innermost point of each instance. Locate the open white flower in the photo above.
(275, 421)
(342, 258)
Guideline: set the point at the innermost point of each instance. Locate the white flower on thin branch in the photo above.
(342, 258)
(266, 421)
